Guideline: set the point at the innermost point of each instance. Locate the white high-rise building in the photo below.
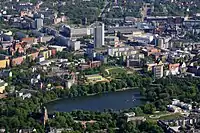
(99, 35)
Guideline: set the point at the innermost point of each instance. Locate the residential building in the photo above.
(33, 56)
(69, 83)
(46, 53)
(45, 39)
(173, 69)
(91, 64)
(131, 117)
(182, 105)
(29, 40)
(38, 23)
(94, 64)
(133, 62)
(99, 35)
(58, 48)
(59, 130)
(75, 45)
(6, 73)
(162, 42)
(17, 61)
(3, 85)
(125, 30)
(41, 58)
(66, 31)
(26, 131)
(62, 41)
(93, 78)
(158, 71)
(25, 93)
(4, 63)
(150, 50)
(80, 32)
(150, 66)
(118, 51)
(112, 40)
(183, 67)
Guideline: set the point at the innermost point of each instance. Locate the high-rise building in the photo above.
(39, 23)
(99, 35)
(158, 71)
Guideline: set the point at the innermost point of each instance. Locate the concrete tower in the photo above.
(99, 35)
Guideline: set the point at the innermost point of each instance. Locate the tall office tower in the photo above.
(99, 35)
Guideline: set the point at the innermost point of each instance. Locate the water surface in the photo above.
(113, 100)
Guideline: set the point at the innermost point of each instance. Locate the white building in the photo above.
(39, 23)
(182, 105)
(117, 51)
(162, 42)
(75, 45)
(78, 32)
(144, 38)
(3, 85)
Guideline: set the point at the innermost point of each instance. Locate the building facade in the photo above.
(99, 35)
(158, 71)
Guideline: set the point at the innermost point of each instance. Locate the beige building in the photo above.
(158, 71)
(3, 85)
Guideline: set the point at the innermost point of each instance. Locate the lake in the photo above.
(112, 100)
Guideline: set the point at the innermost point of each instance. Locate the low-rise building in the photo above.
(93, 78)
(46, 53)
(18, 60)
(182, 105)
(33, 56)
(29, 40)
(3, 85)
(131, 117)
(118, 51)
(25, 93)
(4, 63)
(112, 40)
(5, 73)
(158, 71)
(173, 69)
(150, 50)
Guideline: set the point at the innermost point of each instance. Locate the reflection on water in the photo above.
(114, 100)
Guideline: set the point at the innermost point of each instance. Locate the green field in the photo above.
(115, 71)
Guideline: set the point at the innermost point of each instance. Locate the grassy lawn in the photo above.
(164, 116)
(114, 71)
(172, 116)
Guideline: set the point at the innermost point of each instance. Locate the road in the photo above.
(104, 8)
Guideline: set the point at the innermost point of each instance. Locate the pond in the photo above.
(112, 100)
